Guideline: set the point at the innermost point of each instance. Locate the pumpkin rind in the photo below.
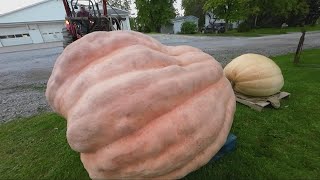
(138, 109)
(254, 75)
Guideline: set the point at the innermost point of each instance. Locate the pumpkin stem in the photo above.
(232, 84)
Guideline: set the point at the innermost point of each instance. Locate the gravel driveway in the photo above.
(23, 75)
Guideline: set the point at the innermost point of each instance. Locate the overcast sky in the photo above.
(7, 6)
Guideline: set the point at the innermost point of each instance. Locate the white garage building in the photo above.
(39, 23)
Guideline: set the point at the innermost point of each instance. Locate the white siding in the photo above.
(16, 41)
(126, 24)
(13, 30)
(36, 36)
(51, 32)
(177, 26)
(15, 36)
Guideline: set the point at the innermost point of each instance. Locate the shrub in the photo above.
(244, 27)
(188, 28)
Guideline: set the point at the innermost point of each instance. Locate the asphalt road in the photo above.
(23, 74)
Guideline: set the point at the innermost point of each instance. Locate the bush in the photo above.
(188, 28)
(244, 27)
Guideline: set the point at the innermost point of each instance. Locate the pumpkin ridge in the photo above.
(109, 78)
(244, 71)
(78, 44)
(139, 132)
(74, 111)
(87, 68)
(245, 83)
(110, 56)
(155, 45)
(130, 115)
(162, 153)
(212, 146)
(261, 79)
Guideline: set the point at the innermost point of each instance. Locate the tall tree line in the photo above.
(257, 13)
(152, 14)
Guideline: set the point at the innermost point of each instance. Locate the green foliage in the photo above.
(195, 8)
(229, 10)
(273, 13)
(273, 144)
(244, 27)
(266, 13)
(152, 14)
(122, 4)
(314, 12)
(188, 28)
(133, 24)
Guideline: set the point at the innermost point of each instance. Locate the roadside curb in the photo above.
(29, 47)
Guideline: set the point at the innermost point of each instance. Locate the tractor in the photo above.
(91, 17)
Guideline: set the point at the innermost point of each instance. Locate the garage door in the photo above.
(51, 32)
(15, 36)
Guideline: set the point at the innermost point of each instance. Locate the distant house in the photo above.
(174, 27)
(210, 18)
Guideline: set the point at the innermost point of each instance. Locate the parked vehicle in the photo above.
(215, 28)
(84, 22)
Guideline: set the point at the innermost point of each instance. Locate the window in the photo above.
(11, 36)
(44, 33)
(57, 32)
(3, 37)
(18, 35)
(26, 35)
(51, 33)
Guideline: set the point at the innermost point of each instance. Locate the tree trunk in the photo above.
(227, 25)
(299, 49)
(255, 21)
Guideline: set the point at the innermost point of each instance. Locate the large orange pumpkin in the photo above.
(138, 109)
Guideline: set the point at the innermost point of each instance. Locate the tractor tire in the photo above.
(67, 37)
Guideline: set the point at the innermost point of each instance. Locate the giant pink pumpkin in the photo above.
(138, 109)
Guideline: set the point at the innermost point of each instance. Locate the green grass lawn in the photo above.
(264, 31)
(273, 144)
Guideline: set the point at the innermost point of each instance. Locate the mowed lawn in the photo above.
(273, 144)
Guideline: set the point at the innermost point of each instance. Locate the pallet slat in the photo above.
(258, 103)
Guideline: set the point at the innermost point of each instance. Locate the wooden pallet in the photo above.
(258, 103)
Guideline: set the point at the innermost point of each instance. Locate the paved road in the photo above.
(226, 48)
(23, 74)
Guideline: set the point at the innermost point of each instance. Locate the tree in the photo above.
(133, 23)
(152, 14)
(188, 28)
(229, 10)
(195, 8)
(273, 13)
(314, 12)
(299, 49)
(122, 4)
